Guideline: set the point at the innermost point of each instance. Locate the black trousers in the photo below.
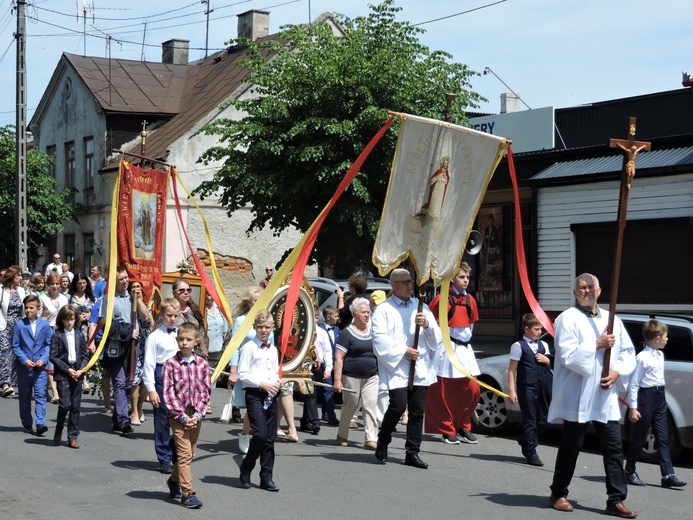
(534, 405)
(652, 406)
(70, 392)
(400, 399)
(610, 439)
(263, 427)
(310, 410)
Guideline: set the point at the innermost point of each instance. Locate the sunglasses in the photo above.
(184, 290)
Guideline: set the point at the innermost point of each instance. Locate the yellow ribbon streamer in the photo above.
(113, 263)
(263, 302)
(447, 344)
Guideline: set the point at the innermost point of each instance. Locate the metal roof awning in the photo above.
(672, 157)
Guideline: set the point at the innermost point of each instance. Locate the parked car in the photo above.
(496, 415)
(326, 289)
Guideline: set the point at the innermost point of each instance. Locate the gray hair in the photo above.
(399, 273)
(356, 303)
(586, 276)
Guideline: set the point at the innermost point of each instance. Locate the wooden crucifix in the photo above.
(630, 148)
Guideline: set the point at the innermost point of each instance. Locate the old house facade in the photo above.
(93, 107)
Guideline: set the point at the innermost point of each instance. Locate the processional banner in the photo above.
(141, 217)
(438, 180)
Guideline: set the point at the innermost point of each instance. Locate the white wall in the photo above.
(560, 207)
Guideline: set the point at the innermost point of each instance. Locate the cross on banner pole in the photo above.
(631, 148)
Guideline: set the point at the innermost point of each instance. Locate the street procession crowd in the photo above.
(382, 354)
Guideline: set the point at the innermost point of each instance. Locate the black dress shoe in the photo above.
(313, 429)
(126, 429)
(269, 485)
(534, 460)
(671, 481)
(634, 480)
(381, 453)
(41, 429)
(245, 480)
(333, 422)
(415, 461)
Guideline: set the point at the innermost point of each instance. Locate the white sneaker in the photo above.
(244, 442)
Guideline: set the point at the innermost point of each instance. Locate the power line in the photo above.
(459, 14)
(137, 28)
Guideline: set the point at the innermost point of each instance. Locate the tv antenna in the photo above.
(86, 12)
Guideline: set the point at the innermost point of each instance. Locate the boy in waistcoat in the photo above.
(530, 379)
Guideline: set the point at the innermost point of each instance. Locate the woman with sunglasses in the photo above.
(190, 313)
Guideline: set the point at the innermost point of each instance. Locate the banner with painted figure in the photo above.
(141, 214)
(438, 179)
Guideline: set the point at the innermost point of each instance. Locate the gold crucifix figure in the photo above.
(631, 148)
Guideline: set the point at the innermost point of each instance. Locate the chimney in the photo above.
(509, 103)
(253, 24)
(175, 52)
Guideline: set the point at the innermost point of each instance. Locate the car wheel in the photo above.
(649, 450)
(491, 414)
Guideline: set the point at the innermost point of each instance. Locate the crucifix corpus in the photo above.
(630, 148)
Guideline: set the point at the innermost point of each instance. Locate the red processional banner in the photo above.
(141, 215)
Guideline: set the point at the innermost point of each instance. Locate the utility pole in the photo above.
(21, 234)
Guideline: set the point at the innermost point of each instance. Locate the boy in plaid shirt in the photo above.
(187, 390)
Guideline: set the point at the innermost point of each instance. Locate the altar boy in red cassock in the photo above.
(452, 400)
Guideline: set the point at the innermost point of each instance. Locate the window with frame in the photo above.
(52, 152)
(88, 252)
(70, 164)
(88, 162)
(70, 251)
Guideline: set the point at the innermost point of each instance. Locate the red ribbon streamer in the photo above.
(304, 254)
(520, 253)
(209, 286)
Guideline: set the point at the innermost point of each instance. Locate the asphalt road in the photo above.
(111, 477)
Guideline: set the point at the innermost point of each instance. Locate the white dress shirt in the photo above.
(516, 349)
(159, 348)
(649, 372)
(323, 347)
(71, 352)
(257, 364)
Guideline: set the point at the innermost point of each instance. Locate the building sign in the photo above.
(529, 130)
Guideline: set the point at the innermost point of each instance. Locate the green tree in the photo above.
(320, 99)
(46, 205)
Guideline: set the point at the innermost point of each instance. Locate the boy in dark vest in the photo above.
(529, 381)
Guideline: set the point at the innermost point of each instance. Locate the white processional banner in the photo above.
(439, 176)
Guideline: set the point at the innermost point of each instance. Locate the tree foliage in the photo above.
(46, 205)
(319, 98)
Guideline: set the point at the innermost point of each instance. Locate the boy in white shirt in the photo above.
(648, 405)
(258, 369)
(161, 345)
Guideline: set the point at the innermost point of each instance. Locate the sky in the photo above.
(558, 53)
